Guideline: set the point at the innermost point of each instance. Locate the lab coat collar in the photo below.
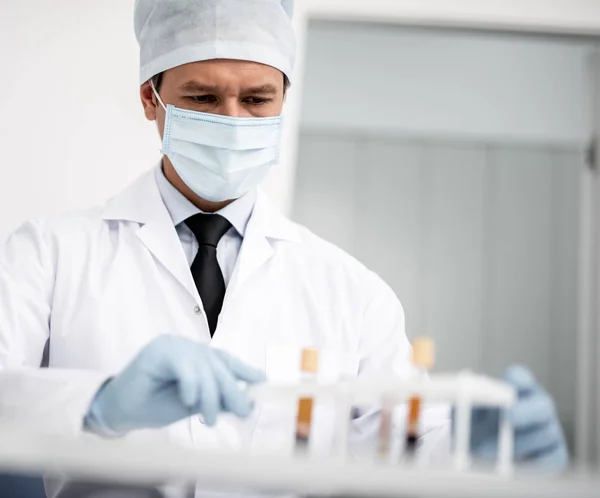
(180, 208)
(142, 203)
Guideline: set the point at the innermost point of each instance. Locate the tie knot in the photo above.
(208, 228)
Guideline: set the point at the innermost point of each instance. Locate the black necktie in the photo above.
(208, 229)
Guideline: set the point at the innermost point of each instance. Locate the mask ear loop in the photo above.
(161, 103)
(157, 95)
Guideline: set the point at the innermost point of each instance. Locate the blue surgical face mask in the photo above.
(220, 157)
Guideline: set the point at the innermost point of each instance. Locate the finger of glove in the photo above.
(159, 355)
(185, 375)
(208, 389)
(521, 379)
(240, 370)
(537, 440)
(170, 365)
(233, 399)
(553, 461)
(533, 410)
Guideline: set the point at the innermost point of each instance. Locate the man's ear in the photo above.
(148, 101)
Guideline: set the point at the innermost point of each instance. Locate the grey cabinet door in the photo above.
(479, 241)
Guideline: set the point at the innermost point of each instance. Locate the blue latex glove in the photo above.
(170, 379)
(539, 438)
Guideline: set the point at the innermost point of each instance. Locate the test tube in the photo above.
(309, 366)
(423, 357)
(385, 429)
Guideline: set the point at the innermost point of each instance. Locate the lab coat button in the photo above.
(198, 310)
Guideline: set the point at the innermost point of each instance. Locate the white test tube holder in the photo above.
(463, 390)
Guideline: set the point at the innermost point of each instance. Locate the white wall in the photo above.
(72, 130)
(546, 16)
(415, 81)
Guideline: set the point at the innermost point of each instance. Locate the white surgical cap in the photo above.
(176, 32)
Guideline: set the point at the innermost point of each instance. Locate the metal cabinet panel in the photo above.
(478, 240)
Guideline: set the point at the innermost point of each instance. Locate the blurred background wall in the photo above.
(72, 128)
(449, 162)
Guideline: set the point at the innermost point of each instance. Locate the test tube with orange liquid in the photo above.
(309, 367)
(423, 357)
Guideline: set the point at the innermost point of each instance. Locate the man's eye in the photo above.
(256, 101)
(203, 99)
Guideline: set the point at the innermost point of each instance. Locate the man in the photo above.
(158, 303)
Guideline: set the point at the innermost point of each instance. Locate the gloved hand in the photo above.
(539, 437)
(170, 379)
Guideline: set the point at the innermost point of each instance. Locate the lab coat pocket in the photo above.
(276, 425)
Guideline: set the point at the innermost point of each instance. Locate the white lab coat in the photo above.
(105, 282)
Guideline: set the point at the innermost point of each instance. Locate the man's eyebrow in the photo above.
(267, 89)
(196, 87)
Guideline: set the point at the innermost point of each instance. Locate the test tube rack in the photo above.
(463, 391)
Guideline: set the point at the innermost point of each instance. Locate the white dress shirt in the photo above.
(237, 213)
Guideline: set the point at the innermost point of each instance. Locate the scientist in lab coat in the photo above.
(156, 304)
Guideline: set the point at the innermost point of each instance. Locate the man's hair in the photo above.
(157, 81)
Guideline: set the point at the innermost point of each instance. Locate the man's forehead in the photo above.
(224, 68)
(225, 75)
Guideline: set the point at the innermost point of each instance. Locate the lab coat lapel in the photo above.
(265, 227)
(160, 237)
(143, 204)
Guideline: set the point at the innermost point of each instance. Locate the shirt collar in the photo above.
(180, 208)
